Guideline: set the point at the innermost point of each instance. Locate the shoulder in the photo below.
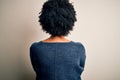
(81, 47)
(79, 44)
(33, 45)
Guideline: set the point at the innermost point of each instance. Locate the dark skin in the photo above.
(56, 39)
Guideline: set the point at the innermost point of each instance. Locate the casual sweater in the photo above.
(57, 60)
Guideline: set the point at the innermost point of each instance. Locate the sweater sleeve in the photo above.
(82, 56)
(32, 56)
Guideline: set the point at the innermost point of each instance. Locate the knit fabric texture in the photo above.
(57, 60)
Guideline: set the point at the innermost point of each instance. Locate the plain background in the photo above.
(97, 27)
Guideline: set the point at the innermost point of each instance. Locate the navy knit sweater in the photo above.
(57, 60)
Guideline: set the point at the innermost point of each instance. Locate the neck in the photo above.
(57, 38)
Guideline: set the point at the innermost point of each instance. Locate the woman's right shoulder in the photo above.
(78, 43)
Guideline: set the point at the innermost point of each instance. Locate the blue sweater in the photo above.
(57, 60)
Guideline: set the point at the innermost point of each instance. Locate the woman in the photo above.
(57, 58)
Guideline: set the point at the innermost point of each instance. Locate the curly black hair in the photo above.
(57, 17)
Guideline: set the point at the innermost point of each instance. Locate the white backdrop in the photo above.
(98, 28)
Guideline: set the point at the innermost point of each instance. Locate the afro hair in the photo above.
(57, 17)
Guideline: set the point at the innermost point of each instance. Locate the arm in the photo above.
(82, 55)
(32, 55)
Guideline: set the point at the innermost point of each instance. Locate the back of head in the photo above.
(57, 17)
(60, 0)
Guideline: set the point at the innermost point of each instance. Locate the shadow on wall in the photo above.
(17, 32)
(14, 55)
